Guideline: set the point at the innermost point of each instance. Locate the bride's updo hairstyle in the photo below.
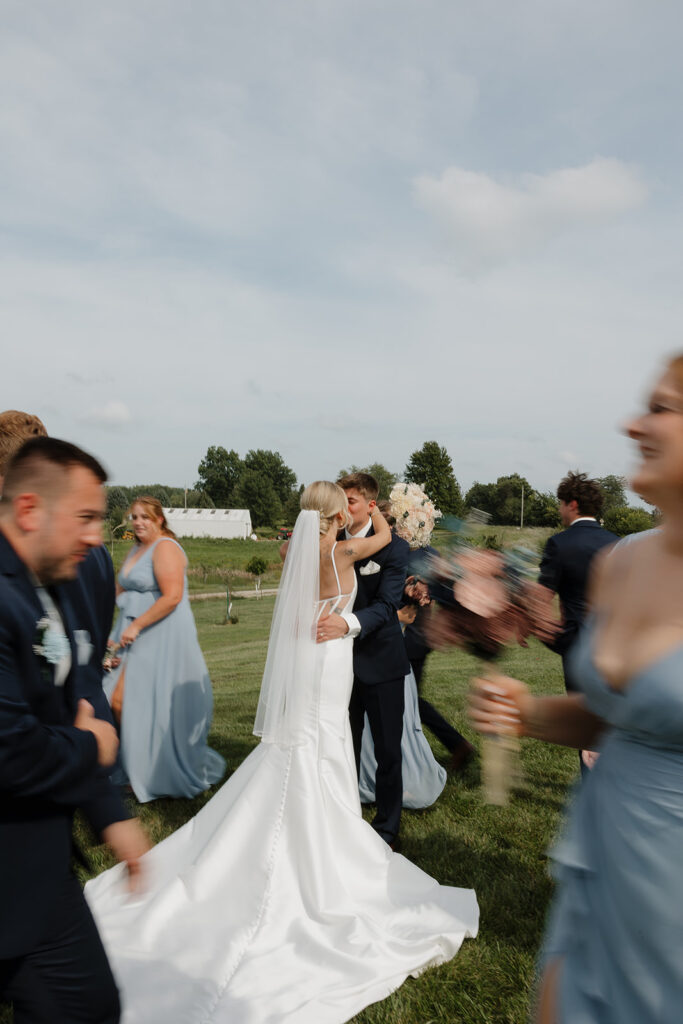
(326, 498)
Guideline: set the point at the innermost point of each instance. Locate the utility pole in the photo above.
(521, 515)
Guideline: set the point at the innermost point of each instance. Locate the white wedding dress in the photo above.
(278, 902)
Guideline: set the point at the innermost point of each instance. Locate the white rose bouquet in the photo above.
(415, 514)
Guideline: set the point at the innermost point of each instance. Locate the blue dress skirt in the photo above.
(167, 700)
(423, 777)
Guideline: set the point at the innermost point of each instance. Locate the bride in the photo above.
(278, 902)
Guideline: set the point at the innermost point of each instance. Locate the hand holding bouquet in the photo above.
(495, 602)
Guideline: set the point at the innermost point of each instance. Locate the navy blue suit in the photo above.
(48, 768)
(380, 665)
(565, 569)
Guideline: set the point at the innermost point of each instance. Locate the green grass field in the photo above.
(500, 852)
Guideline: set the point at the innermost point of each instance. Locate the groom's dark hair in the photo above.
(361, 482)
(586, 493)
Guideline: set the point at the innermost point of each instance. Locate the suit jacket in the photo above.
(92, 596)
(378, 651)
(47, 766)
(565, 568)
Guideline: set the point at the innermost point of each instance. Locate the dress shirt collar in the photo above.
(361, 533)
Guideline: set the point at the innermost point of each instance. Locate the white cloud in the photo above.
(491, 222)
(111, 414)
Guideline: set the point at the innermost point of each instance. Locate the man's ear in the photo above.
(372, 504)
(28, 511)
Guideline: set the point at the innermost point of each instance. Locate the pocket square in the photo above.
(370, 569)
(84, 648)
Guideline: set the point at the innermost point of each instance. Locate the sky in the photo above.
(338, 229)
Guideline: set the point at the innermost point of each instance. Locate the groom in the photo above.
(380, 663)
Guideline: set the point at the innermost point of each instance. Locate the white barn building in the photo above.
(228, 523)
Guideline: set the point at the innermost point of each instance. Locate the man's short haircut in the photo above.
(16, 428)
(40, 465)
(361, 482)
(586, 493)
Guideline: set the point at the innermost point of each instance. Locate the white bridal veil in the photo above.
(288, 702)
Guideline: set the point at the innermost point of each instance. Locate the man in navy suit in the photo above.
(567, 558)
(54, 753)
(380, 663)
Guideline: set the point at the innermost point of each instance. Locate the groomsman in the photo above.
(380, 663)
(54, 753)
(567, 559)
(93, 592)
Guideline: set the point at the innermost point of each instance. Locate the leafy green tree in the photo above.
(614, 491)
(482, 497)
(117, 498)
(158, 491)
(431, 468)
(384, 477)
(257, 566)
(257, 493)
(625, 520)
(179, 498)
(292, 507)
(542, 510)
(272, 466)
(219, 472)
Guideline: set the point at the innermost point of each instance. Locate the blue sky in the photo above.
(339, 229)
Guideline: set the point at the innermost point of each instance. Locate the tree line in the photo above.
(264, 484)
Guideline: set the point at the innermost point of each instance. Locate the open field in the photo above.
(498, 851)
(213, 563)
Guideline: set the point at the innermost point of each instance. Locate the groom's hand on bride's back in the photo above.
(331, 627)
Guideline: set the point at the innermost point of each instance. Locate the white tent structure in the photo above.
(228, 523)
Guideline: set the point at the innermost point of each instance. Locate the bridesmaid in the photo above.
(160, 691)
(612, 953)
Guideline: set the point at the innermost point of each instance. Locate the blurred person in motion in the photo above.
(612, 953)
(92, 592)
(55, 753)
(160, 691)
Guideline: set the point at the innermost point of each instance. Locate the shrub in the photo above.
(256, 566)
(625, 520)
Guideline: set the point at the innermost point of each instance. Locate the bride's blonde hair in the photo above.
(328, 499)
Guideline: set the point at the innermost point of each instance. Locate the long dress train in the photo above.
(278, 902)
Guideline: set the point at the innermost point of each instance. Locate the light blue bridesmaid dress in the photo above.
(618, 917)
(168, 700)
(423, 777)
